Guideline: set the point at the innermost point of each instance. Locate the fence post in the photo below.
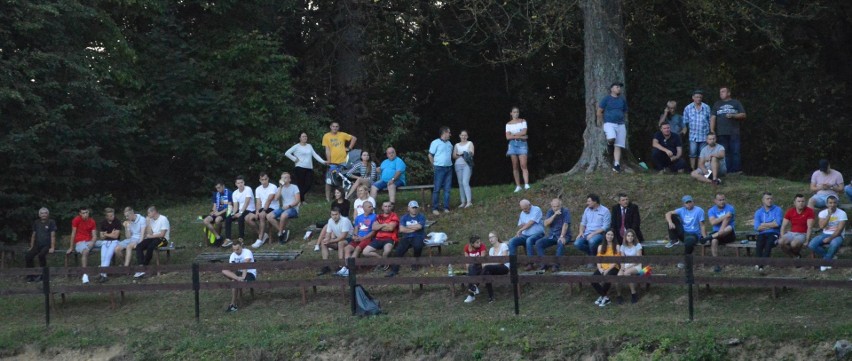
(690, 280)
(196, 287)
(45, 285)
(513, 272)
(350, 264)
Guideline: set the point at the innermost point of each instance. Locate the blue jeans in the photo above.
(732, 151)
(527, 241)
(443, 180)
(548, 242)
(849, 192)
(817, 244)
(695, 148)
(589, 246)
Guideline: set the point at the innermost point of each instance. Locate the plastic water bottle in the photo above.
(450, 271)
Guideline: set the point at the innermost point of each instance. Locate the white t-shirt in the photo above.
(136, 228)
(631, 251)
(239, 198)
(262, 194)
(838, 216)
(460, 149)
(288, 196)
(160, 224)
(344, 225)
(244, 257)
(359, 210)
(304, 154)
(502, 250)
(515, 128)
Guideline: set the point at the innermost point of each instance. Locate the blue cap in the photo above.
(686, 198)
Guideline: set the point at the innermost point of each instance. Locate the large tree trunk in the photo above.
(603, 40)
(351, 109)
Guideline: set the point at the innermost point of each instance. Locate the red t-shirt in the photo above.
(84, 228)
(474, 252)
(385, 219)
(799, 222)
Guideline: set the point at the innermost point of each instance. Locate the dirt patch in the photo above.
(113, 353)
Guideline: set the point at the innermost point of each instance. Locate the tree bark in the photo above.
(350, 72)
(603, 40)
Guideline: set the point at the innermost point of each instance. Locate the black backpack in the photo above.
(365, 305)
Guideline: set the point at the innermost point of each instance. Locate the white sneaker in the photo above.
(605, 301)
(85, 278)
(517, 189)
(316, 248)
(344, 272)
(227, 243)
(139, 275)
(257, 244)
(266, 236)
(469, 299)
(526, 186)
(598, 301)
(824, 268)
(475, 290)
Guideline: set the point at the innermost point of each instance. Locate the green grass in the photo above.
(430, 324)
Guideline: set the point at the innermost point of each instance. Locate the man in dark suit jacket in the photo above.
(625, 215)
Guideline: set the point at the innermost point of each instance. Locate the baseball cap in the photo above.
(616, 83)
(697, 91)
(413, 204)
(686, 198)
(823, 165)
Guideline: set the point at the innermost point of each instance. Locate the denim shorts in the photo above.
(291, 213)
(517, 147)
(695, 148)
(381, 185)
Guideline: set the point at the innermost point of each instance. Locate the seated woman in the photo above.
(363, 196)
(498, 249)
(631, 247)
(607, 248)
(474, 248)
(363, 173)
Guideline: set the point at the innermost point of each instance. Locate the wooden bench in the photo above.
(259, 256)
(97, 249)
(424, 195)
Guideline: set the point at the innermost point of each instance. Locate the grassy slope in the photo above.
(431, 325)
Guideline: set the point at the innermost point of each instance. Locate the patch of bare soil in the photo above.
(113, 353)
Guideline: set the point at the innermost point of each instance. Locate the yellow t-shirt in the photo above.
(610, 252)
(336, 143)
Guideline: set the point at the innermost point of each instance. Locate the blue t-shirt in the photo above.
(442, 152)
(556, 225)
(763, 216)
(613, 109)
(715, 212)
(364, 224)
(535, 216)
(221, 199)
(408, 220)
(691, 220)
(390, 167)
(676, 123)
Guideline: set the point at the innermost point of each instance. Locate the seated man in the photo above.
(363, 235)
(558, 220)
(667, 150)
(239, 255)
(594, 223)
(288, 199)
(221, 201)
(156, 235)
(711, 162)
(825, 182)
(722, 218)
(411, 226)
(243, 210)
(134, 225)
(625, 215)
(338, 232)
(392, 172)
(386, 227)
(529, 231)
(686, 224)
(110, 231)
(83, 236)
(42, 242)
(832, 220)
(767, 223)
(265, 205)
(800, 220)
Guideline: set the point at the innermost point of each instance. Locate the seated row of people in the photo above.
(144, 234)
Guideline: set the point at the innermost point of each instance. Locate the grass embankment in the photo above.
(801, 324)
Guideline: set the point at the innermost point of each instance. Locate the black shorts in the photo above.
(249, 276)
(380, 243)
(728, 238)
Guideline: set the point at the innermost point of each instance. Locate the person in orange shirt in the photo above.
(609, 249)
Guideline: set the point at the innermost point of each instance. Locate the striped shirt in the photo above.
(698, 121)
(360, 170)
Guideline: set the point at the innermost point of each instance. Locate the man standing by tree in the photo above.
(440, 155)
(696, 118)
(612, 110)
(335, 152)
(725, 121)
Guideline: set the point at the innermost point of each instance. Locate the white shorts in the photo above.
(617, 132)
(81, 246)
(127, 242)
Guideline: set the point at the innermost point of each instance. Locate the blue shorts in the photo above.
(380, 243)
(819, 200)
(380, 185)
(695, 148)
(291, 213)
(517, 147)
